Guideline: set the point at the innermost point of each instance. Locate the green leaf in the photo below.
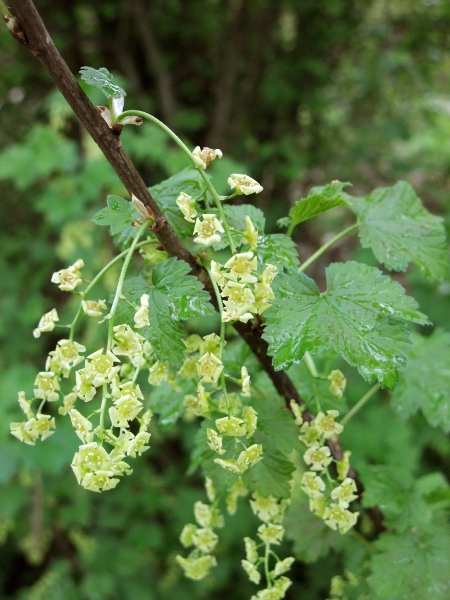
(425, 383)
(279, 250)
(167, 401)
(167, 192)
(415, 565)
(271, 475)
(312, 538)
(393, 490)
(184, 292)
(119, 215)
(276, 429)
(400, 230)
(361, 316)
(312, 389)
(319, 199)
(102, 79)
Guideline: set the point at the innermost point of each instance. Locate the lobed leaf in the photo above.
(119, 215)
(398, 228)
(362, 316)
(279, 250)
(319, 200)
(425, 383)
(101, 79)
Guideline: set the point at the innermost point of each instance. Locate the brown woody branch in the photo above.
(33, 34)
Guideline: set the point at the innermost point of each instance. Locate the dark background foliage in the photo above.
(295, 93)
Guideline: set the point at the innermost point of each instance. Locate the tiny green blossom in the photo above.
(318, 506)
(210, 490)
(250, 234)
(81, 425)
(249, 457)
(245, 378)
(269, 274)
(231, 426)
(309, 434)
(141, 315)
(209, 368)
(210, 343)
(68, 279)
(239, 304)
(266, 509)
(46, 323)
(158, 373)
(312, 484)
(100, 367)
(230, 465)
(46, 386)
(207, 516)
(215, 441)
(326, 425)
(337, 383)
(236, 491)
(263, 295)
(345, 493)
(253, 574)
(138, 444)
(271, 533)
(339, 518)
(196, 568)
(283, 565)
(65, 356)
(23, 432)
(250, 417)
(297, 412)
(202, 158)
(93, 308)
(318, 457)
(25, 405)
(217, 274)
(68, 403)
(85, 389)
(99, 482)
(207, 229)
(153, 253)
(187, 535)
(187, 206)
(343, 466)
(251, 552)
(243, 184)
(205, 539)
(241, 266)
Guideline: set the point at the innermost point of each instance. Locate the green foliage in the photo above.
(361, 316)
(400, 230)
(119, 216)
(101, 79)
(426, 380)
(319, 199)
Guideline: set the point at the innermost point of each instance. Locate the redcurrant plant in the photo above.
(284, 458)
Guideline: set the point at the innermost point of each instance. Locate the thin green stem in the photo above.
(182, 145)
(314, 374)
(4, 10)
(325, 247)
(96, 279)
(373, 390)
(266, 565)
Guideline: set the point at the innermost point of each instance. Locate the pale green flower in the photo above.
(326, 425)
(241, 266)
(202, 158)
(283, 565)
(265, 508)
(318, 457)
(297, 412)
(99, 482)
(339, 518)
(309, 434)
(250, 417)
(65, 356)
(138, 444)
(237, 490)
(100, 367)
(207, 229)
(231, 426)
(337, 383)
(46, 386)
(210, 343)
(46, 323)
(245, 378)
(343, 465)
(253, 574)
(93, 308)
(312, 484)
(68, 403)
(217, 274)
(215, 441)
(250, 234)
(209, 368)
(85, 390)
(187, 206)
(345, 493)
(271, 533)
(158, 373)
(187, 535)
(210, 490)
(203, 514)
(230, 465)
(68, 279)
(249, 457)
(251, 552)
(196, 568)
(205, 539)
(141, 315)
(81, 425)
(243, 184)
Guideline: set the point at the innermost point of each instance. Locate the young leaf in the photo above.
(361, 316)
(185, 292)
(279, 250)
(424, 385)
(400, 230)
(414, 565)
(119, 215)
(167, 192)
(312, 538)
(102, 79)
(271, 475)
(319, 199)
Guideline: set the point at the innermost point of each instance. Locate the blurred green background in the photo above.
(295, 93)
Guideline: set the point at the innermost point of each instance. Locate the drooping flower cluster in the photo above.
(330, 503)
(246, 293)
(271, 511)
(201, 537)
